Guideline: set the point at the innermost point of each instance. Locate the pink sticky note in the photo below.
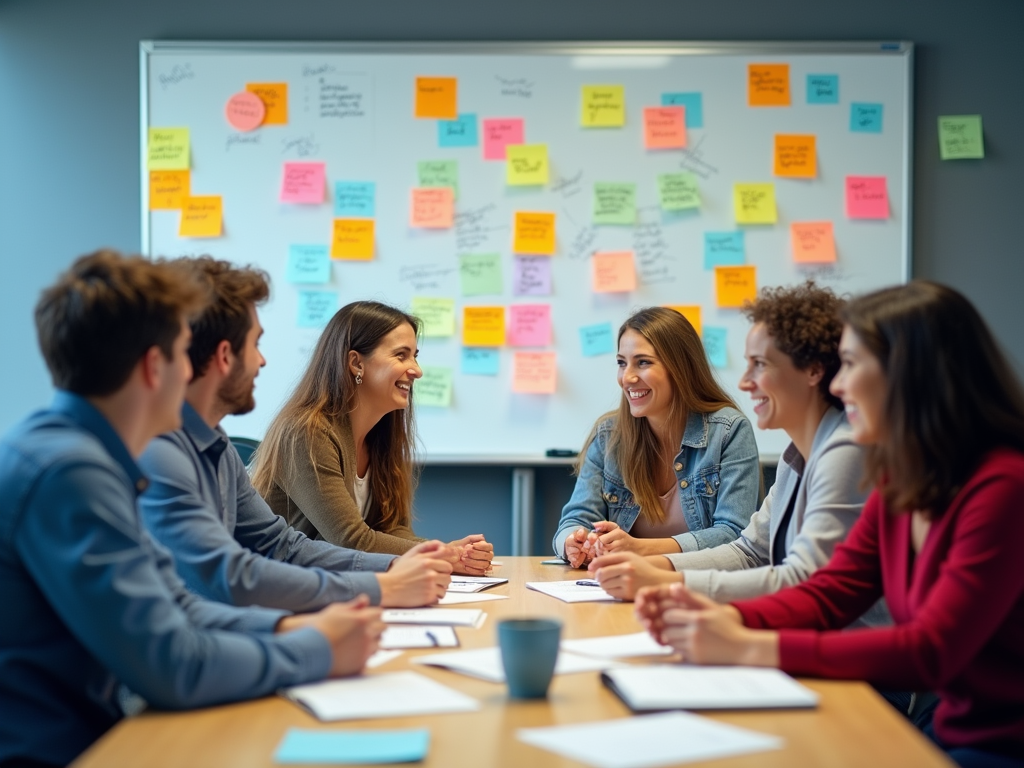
(866, 197)
(499, 133)
(813, 241)
(614, 272)
(664, 127)
(432, 208)
(529, 325)
(531, 276)
(534, 373)
(245, 111)
(303, 183)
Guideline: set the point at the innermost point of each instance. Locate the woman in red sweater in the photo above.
(926, 388)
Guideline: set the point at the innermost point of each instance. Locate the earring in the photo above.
(359, 378)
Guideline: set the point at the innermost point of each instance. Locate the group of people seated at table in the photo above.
(139, 563)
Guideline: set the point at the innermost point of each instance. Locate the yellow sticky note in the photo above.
(275, 98)
(691, 312)
(201, 217)
(796, 155)
(483, 326)
(813, 242)
(534, 233)
(768, 85)
(754, 203)
(353, 239)
(604, 106)
(613, 272)
(168, 149)
(526, 164)
(437, 315)
(432, 208)
(735, 285)
(168, 189)
(534, 373)
(437, 97)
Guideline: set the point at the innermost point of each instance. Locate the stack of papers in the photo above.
(485, 663)
(347, 747)
(618, 646)
(456, 598)
(474, 583)
(452, 617)
(400, 636)
(571, 591)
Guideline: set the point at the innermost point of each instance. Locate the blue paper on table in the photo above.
(694, 104)
(305, 746)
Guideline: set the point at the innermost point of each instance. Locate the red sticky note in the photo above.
(432, 208)
(303, 183)
(813, 242)
(499, 133)
(866, 197)
(665, 127)
(529, 325)
(614, 272)
(534, 373)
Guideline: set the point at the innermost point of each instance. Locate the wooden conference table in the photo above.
(852, 726)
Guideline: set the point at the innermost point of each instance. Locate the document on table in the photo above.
(485, 663)
(300, 745)
(571, 591)
(396, 694)
(381, 657)
(618, 646)
(666, 739)
(457, 598)
(474, 583)
(452, 617)
(418, 637)
(677, 686)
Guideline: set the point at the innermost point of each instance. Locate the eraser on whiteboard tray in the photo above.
(560, 453)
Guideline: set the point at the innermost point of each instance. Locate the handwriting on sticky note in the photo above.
(597, 339)
(614, 203)
(481, 361)
(460, 132)
(754, 203)
(168, 189)
(796, 156)
(534, 233)
(308, 264)
(693, 103)
(531, 276)
(867, 197)
(813, 241)
(316, 308)
(437, 315)
(768, 85)
(529, 325)
(665, 127)
(483, 326)
(355, 199)
(823, 89)
(303, 183)
(527, 164)
(534, 373)
(245, 111)
(168, 149)
(678, 191)
(499, 134)
(735, 285)
(603, 106)
(275, 98)
(353, 239)
(724, 249)
(434, 388)
(715, 346)
(480, 274)
(437, 97)
(961, 138)
(866, 118)
(613, 272)
(432, 208)
(439, 173)
(692, 313)
(201, 216)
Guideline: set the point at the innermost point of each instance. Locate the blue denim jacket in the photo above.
(718, 474)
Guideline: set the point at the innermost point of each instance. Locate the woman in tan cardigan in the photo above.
(337, 460)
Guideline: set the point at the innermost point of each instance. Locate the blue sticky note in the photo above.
(597, 339)
(865, 118)
(316, 308)
(308, 264)
(724, 249)
(694, 103)
(460, 132)
(346, 747)
(480, 361)
(823, 89)
(355, 199)
(714, 345)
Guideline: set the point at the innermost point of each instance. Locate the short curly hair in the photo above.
(804, 323)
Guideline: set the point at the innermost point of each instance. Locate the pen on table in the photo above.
(434, 642)
(588, 583)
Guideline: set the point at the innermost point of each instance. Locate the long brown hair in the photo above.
(326, 395)
(951, 394)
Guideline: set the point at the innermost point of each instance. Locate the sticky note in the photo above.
(813, 242)
(480, 274)
(735, 285)
(678, 191)
(353, 239)
(303, 183)
(823, 89)
(754, 203)
(168, 149)
(714, 346)
(613, 272)
(531, 276)
(693, 102)
(796, 156)
(499, 134)
(481, 361)
(529, 325)
(534, 233)
(460, 132)
(438, 315)
(434, 388)
(724, 249)
(534, 373)
(664, 127)
(603, 106)
(201, 216)
(768, 85)
(316, 308)
(614, 203)
(308, 264)
(866, 118)
(348, 747)
(355, 199)
(439, 173)
(275, 98)
(960, 138)
(866, 197)
(597, 339)
(483, 326)
(437, 97)
(168, 189)
(432, 208)
(527, 164)
(692, 313)
(245, 111)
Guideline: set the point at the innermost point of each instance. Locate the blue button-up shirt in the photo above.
(91, 602)
(228, 545)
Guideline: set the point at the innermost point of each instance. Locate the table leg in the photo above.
(522, 510)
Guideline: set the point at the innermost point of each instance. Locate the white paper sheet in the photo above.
(381, 657)
(485, 663)
(618, 646)
(474, 583)
(453, 617)
(399, 636)
(457, 598)
(570, 591)
(680, 686)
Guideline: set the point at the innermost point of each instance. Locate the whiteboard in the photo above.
(372, 135)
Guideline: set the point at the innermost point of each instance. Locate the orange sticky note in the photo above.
(437, 97)
(665, 127)
(813, 241)
(796, 155)
(275, 97)
(768, 85)
(353, 239)
(614, 272)
(432, 208)
(168, 189)
(534, 233)
(691, 312)
(201, 216)
(534, 373)
(483, 326)
(735, 285)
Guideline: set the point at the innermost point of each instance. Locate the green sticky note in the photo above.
(480, 274)
(614, 203)
(678, 191)
(960, 137)
(434, 390)
(437, 315)
(439, 173)
(168, 149)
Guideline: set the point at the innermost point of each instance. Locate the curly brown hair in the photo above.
(804, 323)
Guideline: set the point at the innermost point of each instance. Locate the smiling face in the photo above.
(644, 379)
(388, 372)
(783, 395)
(861, 384)
(237, 390)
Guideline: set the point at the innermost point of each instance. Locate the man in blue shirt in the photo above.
(93, 610)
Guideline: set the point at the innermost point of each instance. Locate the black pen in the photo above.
(588, 583)
(434, 643)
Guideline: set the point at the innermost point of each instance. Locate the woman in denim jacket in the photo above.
(675, 468)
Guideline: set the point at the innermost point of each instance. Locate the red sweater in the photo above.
(958, 608)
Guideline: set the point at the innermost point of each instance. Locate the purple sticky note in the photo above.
(531, 276)
(529, 325)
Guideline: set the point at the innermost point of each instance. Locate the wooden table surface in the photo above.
(852, 726)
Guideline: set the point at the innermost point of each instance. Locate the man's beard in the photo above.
(236, 393)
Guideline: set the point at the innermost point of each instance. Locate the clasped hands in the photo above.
(582, 545)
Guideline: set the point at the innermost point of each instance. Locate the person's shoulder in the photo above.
(726, 415)
(1003, 463)
(46, 440)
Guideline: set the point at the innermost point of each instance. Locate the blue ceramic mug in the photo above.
(529, 650)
